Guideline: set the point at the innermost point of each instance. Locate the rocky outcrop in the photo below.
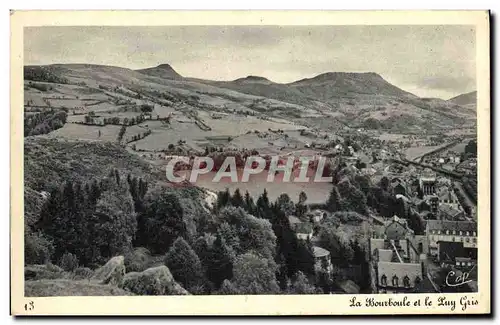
(153, 281)
(112, 272)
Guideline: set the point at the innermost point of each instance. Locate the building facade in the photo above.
(464, 232)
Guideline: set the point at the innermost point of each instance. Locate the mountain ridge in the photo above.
(163, 70)
(465, 99)
(352, 98)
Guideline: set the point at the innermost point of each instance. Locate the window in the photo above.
(467, 233)
(457, 263)
(454, 232)
(467, 239)
(417, 280)
(474, 240)
(395, 281)
(383, 280)
(474, 233)
(469, 263)
(439, 232)
(406, 281)
(325, 265)
(460, 232)
(447, 232)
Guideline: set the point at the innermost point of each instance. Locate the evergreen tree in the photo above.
(263, 207)
(384, 183)
(285, 204)
(249, 204)
(334, 200)
(113, 225)
(161, 222)
(302, 197)
(95, 192)
(184, 265)
(219, 265)
(301, 208)
(223, 199)
(286, 244)
(305, 257)
(237, 199)
(229, 235)
(254, 274)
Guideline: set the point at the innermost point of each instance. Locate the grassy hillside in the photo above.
(62, 287)
(52, 161)
(351, 98)
(468, 100)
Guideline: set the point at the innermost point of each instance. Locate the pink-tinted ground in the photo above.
(316, 192)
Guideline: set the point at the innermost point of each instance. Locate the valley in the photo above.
(98, 140)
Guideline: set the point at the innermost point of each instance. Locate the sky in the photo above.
(429, 61)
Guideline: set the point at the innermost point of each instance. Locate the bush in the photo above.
(37, 249)
(69, 262)
(137, 260)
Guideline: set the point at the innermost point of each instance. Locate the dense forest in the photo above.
(44, 74)
(239, 246)
(44, 122)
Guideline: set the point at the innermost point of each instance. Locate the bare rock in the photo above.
(153, 282)
(112, 272)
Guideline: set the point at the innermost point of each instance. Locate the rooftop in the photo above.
(304, 228)
(320, 252)
(385, 255)
(391, 269)
(294, 220)
(451, 225)
(449, 210)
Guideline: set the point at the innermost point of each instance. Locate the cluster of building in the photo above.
(401, 261)
(448, 160)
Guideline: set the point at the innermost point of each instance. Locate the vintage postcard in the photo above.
(250, 162)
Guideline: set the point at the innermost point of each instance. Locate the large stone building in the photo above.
(427, 185)
(448, 197)
(464, 232)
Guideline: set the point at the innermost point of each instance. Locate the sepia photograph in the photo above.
(243, 159)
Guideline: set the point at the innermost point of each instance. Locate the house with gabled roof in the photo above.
(396, 265)
(294, 221)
